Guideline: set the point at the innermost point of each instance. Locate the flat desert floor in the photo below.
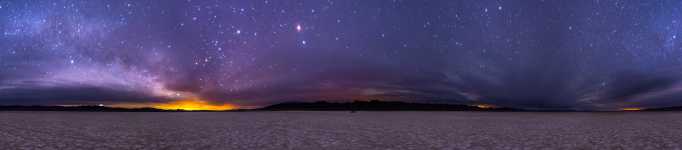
(340, 130)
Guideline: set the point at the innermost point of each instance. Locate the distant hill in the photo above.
(376, 106)
(676, 108)
(77, 108)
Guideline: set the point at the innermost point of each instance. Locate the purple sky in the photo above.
(519, 53)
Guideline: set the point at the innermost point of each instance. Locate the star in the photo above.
(299, 28)
(263, 52)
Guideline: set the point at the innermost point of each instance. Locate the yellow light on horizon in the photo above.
(485, 106)
(193, 105)
(631, 109)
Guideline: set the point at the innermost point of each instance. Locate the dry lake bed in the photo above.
(340, 130)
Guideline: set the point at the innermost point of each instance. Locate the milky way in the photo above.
(521, 53)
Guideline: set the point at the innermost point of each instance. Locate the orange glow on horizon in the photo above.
(631, 109)
(485, 106)
(192, 105)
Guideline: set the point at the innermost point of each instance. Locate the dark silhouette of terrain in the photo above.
(676, 108)
(373, 105)
(77, 108)
(311, 106)
(94, 108)
(376, 105)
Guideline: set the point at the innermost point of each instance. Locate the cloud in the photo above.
(631, 85)
(32, 93)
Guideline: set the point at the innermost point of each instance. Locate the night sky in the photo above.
(541, 54)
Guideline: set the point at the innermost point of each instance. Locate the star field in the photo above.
(543, 54)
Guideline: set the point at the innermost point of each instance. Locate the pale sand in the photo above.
(340, 130)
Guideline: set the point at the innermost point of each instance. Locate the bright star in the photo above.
(299, 28)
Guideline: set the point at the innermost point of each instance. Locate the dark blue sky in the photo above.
(601, 54)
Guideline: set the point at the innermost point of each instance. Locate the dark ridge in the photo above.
(676, 108)
(76, 108)
(375, 105)
(87, 108)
